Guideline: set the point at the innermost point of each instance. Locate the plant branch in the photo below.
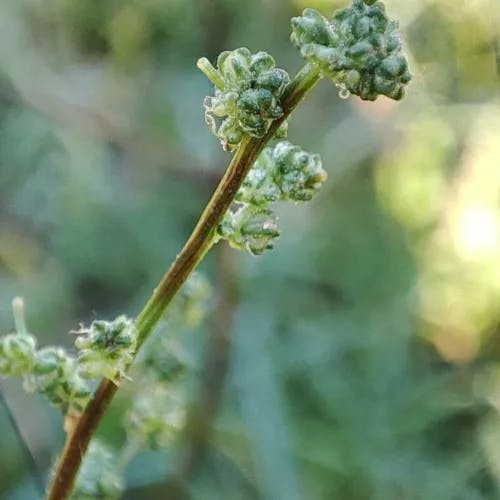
(198, 244)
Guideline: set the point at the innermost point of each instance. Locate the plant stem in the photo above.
(198, 244)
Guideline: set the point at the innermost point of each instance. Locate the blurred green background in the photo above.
(364, 349)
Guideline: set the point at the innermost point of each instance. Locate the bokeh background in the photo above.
(363, 352)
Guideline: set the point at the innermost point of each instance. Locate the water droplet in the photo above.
(344, 93)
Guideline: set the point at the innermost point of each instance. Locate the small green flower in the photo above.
(17, 354)
(55, 375)
(248, 90)
(360, 49)
(106, 348)
(99, 476)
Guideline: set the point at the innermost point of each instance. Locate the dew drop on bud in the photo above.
(344, 93)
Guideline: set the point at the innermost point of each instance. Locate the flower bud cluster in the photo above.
(250, 227)
(55, 375)
(17, 354)
(106, 348)
(99, 477)
(283, 172)
(49, 371)
(360, 49)
(248, 91)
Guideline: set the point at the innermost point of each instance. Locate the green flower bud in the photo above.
(262, 62)
(247, 96)
(392, 66)
(55, 375)
(312, 27)
(359, 49)
(156, 417)
(99, 476)
(274, 80)
(231, 132)
(250, 227)
(254, 109)
(259, 187)
(234, 67)
(106, 348)
(17, 354)
(298, 174)
(283, 172)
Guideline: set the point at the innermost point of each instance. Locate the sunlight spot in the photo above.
(477, 232)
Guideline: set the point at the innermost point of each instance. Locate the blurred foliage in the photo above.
(365, 360)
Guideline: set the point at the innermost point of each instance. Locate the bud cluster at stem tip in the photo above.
(360, 49)
(248, 89)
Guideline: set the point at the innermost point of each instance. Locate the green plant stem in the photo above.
(198, 244)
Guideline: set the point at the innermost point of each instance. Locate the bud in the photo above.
(259, 186)
(251, 228)
(247, 95)
(359, 49)
(106, 348)
(55, 375)
(17, 354)
(298, 174)
(282, 173)
(312, 27)
(234, 67)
